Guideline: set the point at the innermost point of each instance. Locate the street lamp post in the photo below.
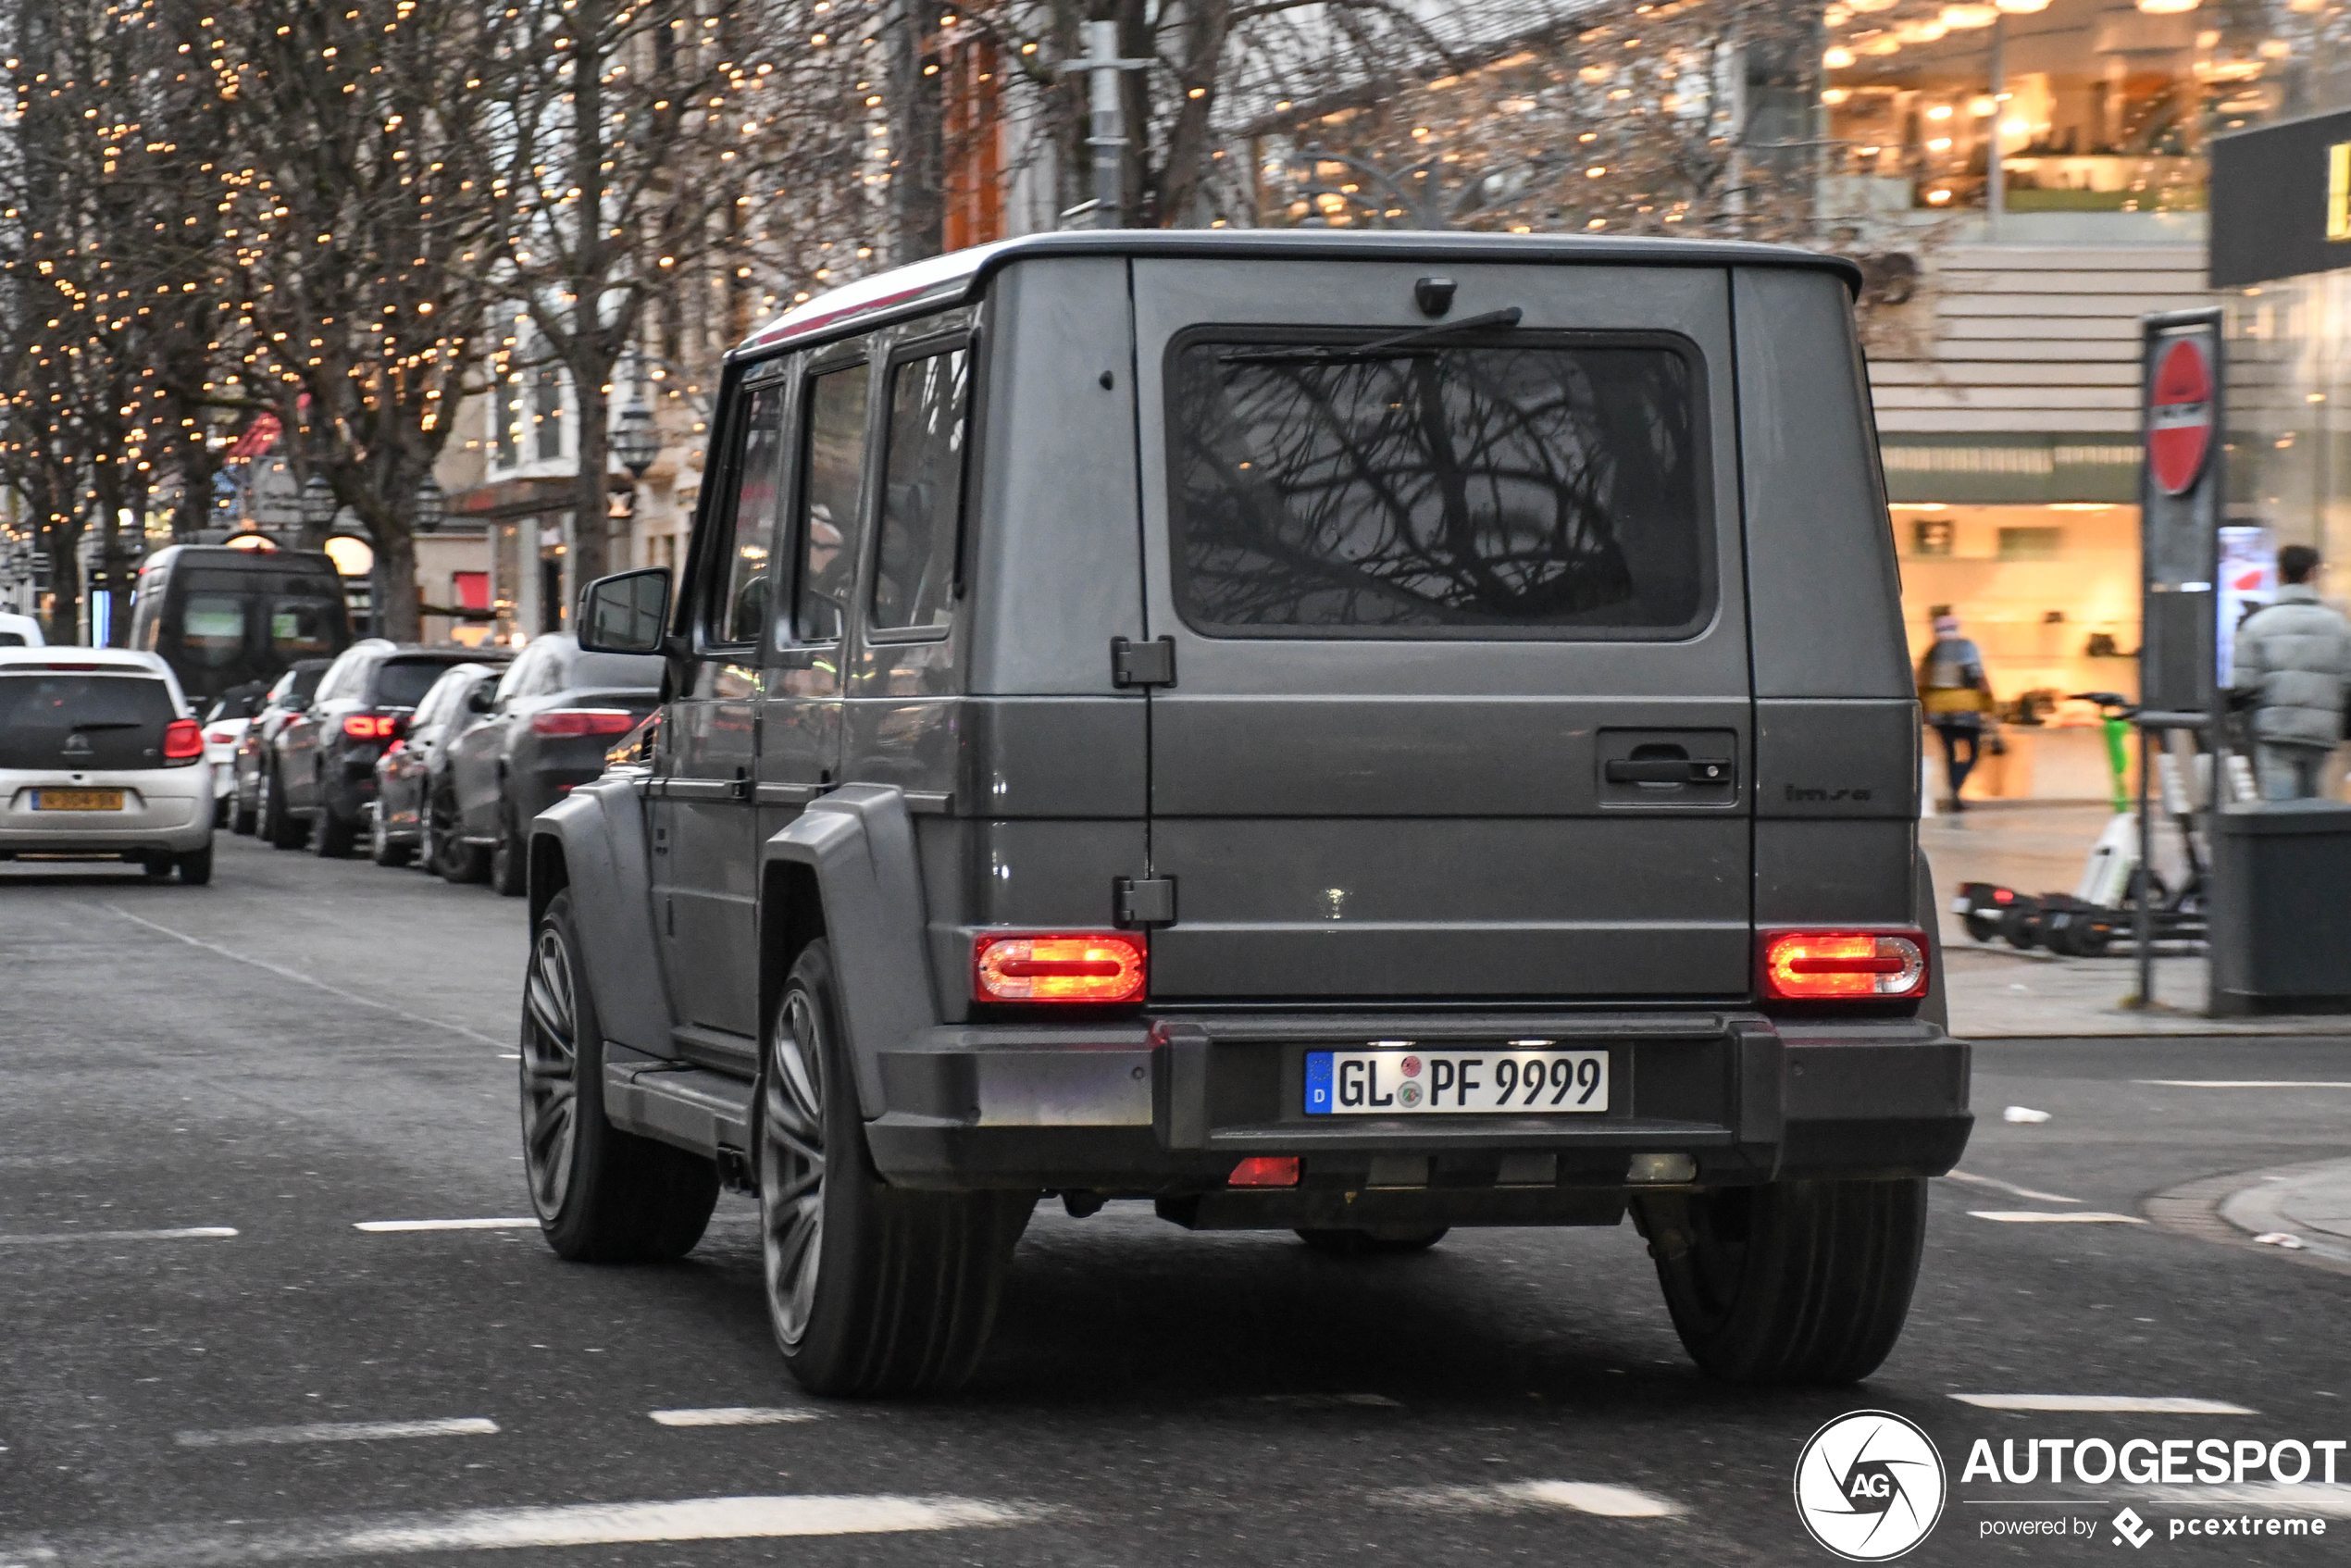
(318, 503)
(1106, 122)
(431, 506)
(636, 443)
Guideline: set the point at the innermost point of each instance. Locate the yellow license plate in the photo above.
(77, 800)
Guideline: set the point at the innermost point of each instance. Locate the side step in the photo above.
(697, 1110)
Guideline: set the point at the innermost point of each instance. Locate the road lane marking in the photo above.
(312, 980)
(2122, 1404)
(2244, 1083)
(340, 1432)
(239, 1544)
(2008, 1187)
(189, 1233)
(378, 1226)
(1579, 1497)
(2036, 1216)
(732, 1415)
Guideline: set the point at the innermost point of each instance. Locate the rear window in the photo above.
(1508, 485)
(402, 683)
(73, 721)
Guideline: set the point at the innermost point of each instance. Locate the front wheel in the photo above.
(601, 1195)
(1792, 1282)
(871, 1289)
(280, 826)
(509, 861)
(446, 855)
(381, 849)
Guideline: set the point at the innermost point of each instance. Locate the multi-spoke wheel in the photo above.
(601, 1195)
(871, 1289)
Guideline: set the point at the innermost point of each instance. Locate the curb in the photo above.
(2229, 1211)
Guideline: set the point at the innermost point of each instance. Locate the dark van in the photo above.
(221, 617)
(1349, 734)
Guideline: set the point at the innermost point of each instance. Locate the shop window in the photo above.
(1931, 536)
(2032, 544)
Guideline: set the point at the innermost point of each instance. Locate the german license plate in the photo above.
(77, 800)
(1510, 1077)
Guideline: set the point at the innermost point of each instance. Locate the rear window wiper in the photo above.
(1419, 337)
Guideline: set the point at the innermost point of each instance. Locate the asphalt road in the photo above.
(308, 1046)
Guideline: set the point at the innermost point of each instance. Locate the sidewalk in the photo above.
(1999, 993)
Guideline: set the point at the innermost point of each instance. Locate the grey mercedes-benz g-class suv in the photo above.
(1356, 734)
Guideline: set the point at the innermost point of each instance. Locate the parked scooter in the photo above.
(2105, 903)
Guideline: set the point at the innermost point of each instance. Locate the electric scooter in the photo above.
(2105, 903)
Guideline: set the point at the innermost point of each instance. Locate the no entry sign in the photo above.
(2180, 415)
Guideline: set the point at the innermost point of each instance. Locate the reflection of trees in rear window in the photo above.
(1536, 487)
(303, 626)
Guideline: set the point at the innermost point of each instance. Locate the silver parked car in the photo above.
(101, 760)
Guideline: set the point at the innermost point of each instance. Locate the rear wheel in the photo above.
(509, 866)
(243, 818)
(195, 867)
(381, 849)
(1370, 1243)
(449, 856)
(601, 1195)
(220, 809)
(871, 1290)
(282, 828)
(1792, 1282)
(333, 836)
(1982, 927)
(157, 865)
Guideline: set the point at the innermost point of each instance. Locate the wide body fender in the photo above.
(593, 841)
(858, 842)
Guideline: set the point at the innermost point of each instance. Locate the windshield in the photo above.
(83, 721)
(1529, 486)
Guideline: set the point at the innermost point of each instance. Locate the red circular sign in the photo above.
(2180, 415)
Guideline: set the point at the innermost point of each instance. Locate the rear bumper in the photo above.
(166, 809)
(1167, 1107)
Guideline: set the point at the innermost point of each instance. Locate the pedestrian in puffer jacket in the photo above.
(2293, 667)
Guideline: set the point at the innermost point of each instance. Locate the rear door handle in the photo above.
(1672, 770)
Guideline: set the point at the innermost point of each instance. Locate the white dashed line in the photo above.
(2244, 1083)
(2008, 1187)
(733, 1415)
(340, 1432)
(191, 1233)
(381, 1226)
(2036, 1216)
(2122, 1404)
(1579, 1497)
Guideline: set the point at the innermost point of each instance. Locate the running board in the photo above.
(691, 1108)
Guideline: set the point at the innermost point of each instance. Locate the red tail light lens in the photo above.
(1265, 1170)
(1097, 967)
(220, 737)
(182, 740)
(583, 721)
(1843, 966)
(368, 727)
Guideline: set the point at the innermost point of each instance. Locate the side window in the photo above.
(737, 609)
(827, 532)
(922, 491)
(522, 674)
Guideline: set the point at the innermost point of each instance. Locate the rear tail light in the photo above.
(368, 726)
(395, 747)
(1265, 1170)
(1100, 967)
(220, 737)
(583, 721)
(182, 740)
(1843, 966)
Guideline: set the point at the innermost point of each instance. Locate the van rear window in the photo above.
(1508, 485)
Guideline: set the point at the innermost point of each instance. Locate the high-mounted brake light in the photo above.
(368, 727)
(583, 721)
(182, 740)
(1105, 967)
(1843, 966)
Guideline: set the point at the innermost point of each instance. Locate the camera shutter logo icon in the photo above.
(1870, 1486)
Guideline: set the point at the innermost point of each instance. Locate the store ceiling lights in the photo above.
(1960, 19)
(2024, 7)
(1836, 59)
(1926, 32)
(2166, 7)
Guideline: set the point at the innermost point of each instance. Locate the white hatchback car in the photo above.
(20, 632)
(99, 759)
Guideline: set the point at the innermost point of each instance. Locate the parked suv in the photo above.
(1356, 734)
(545, 733)
(255, 763)
(100, 759)
(414, 768)
(323, 766)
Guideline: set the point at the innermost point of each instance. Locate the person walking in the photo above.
(2293, 668)
(1956, 696)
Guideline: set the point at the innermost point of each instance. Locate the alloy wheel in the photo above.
(791, 1165)
(550, 1073)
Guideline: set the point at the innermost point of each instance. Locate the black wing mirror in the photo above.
(628, 612)
(483, 698)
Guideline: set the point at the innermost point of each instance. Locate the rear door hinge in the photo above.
(1145, 901)
(1142, 663)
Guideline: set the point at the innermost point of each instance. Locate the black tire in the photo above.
(509, 861)
(601, 1195)
(1792, 1282)
(195, 867)
(2021, 927)
(381, 849)
(331, 836)
(1982, 927)
(280, 826)
(447, 855)
(220, 809)
(870, 1289)
(242, 819)
(1370, 1244)
(157, 865)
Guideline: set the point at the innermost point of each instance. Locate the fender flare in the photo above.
(858, 843)
(593, 841)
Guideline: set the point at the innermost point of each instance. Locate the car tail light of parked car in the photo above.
(1843, 966)
(1265, 1170)
(1094, 966)
(222, 737)
(370, 726)
(182, 742)
(584, 721)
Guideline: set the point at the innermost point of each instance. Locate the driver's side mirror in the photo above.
(295, 703)
(626, 613)
(483, 698)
